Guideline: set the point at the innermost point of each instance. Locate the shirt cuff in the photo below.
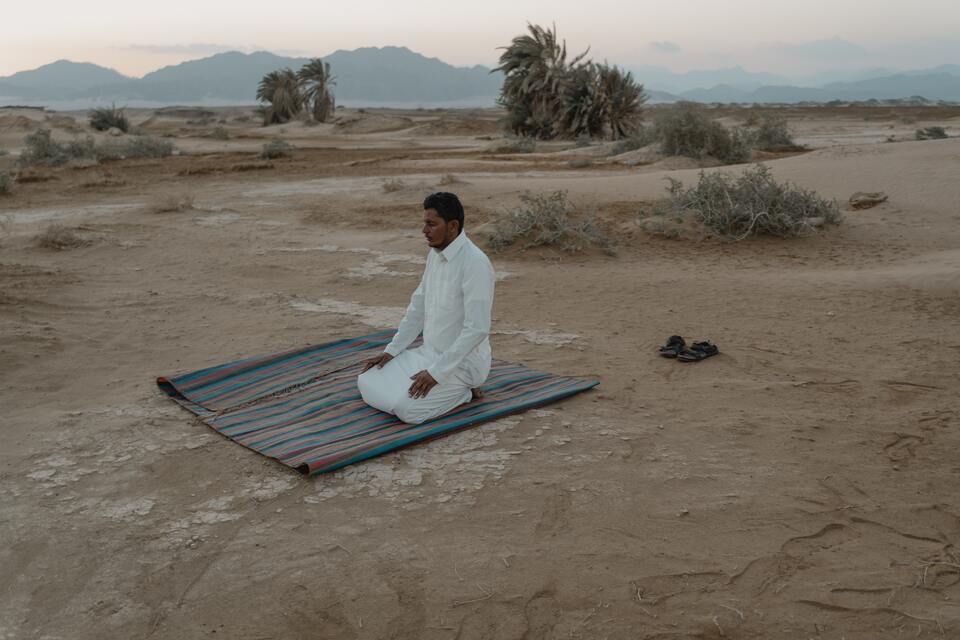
(438, 376)
(392, 351)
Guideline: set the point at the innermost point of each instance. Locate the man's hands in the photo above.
(422, 383)
(377, 361)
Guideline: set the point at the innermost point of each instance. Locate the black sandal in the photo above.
(675, 344)
(698, 351)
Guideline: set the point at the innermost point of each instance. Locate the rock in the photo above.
(113, 131)
(865, 200)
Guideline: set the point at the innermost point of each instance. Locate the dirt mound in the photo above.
(458, 127)
(372, 123)
(17, 122)
(190, 113)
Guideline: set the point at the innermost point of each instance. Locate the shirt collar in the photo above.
(454, 248)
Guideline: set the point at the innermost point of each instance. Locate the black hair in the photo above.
(447, 205)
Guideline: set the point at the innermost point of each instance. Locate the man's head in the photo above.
(442, 219)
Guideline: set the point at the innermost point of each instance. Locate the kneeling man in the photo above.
(452, 308)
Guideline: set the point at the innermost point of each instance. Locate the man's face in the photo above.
(438, 232)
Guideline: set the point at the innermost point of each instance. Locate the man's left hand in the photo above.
(422, 383)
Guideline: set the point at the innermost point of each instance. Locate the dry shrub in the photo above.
(57, 237)
(219, 133)
(106, 118)
(548, 220)
(685, 130)
(252, 166)
(393, 185)
(276, 148)
(102, 181)
(931, 133)
(134, 147)
(772, 132)
(6, 183)
(641, 138)
(752, 203)
(520, 144)
(450, 178)
(173, 202)
(41, 149)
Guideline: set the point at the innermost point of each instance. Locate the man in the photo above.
(452, 308)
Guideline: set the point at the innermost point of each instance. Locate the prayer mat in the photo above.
(302, 407)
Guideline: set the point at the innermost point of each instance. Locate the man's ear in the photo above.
(457, 223)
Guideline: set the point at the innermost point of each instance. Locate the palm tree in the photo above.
(622, 100)
(281, 90)
(535, 68)
(315, 82)
(582, 109)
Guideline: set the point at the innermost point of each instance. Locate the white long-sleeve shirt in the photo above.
(452, 307)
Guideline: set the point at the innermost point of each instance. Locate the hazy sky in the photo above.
(761, 35)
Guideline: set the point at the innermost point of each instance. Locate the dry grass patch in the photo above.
(6, 183)
(172, 202)
(450, 178)
(276, 148)
(393, 185)
(753, 203)
(57, 237)
(548, 220)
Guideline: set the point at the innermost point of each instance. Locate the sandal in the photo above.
(675, 344)
(698, 351)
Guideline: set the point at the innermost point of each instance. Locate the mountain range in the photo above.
(382, 76)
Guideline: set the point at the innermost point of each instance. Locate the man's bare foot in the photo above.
(477, 395)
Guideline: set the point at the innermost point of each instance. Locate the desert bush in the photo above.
(548, 220)
(41, 148)
(219, 133)
(135, 147)
(57, 237)
(276, 148)
(449, 178)
(773, 132)
(931, 133)
(753, 203)
(173, 202)
(521, 144)
(641, 138)
(105, 118)
(684, 130)
(4, 152)
(393, 185)
(6, 183)
(584, 140)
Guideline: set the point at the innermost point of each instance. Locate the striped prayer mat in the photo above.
(302, 407)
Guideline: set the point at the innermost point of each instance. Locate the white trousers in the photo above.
(388, 388)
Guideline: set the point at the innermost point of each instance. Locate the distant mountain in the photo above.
(51, 81)
(662, 79)
(367, 75)
(933, 86)
(398, 76)
(64, 74)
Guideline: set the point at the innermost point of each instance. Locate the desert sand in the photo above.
(803, 484)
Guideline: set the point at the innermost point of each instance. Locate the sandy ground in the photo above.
(803, 484)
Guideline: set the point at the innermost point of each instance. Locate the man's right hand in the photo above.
(377, 362)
